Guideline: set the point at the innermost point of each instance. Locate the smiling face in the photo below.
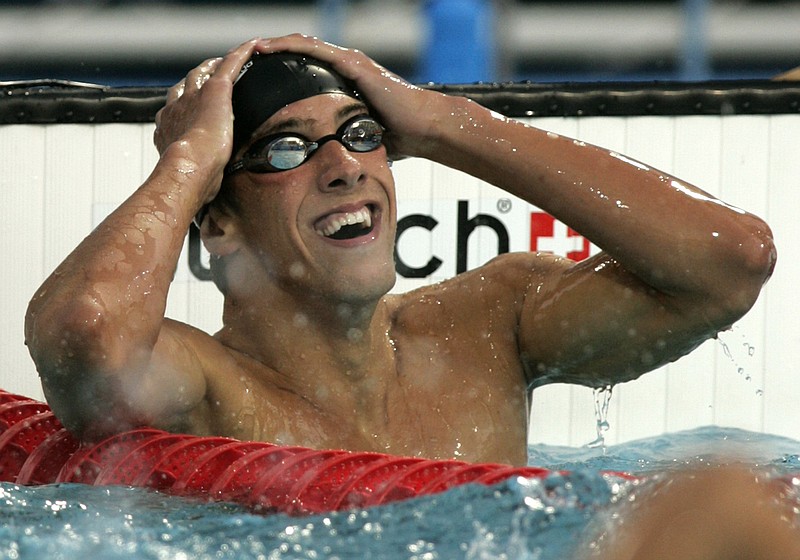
(326, 227)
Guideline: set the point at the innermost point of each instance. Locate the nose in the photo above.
(341, 168)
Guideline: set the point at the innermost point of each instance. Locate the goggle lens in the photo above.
(363, 135)
(285, 151)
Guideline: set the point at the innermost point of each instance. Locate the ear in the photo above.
(219, 232)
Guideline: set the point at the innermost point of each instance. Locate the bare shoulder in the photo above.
(195, 344)
(506, 276)
(496, 290)
(197, 353)
(188, 363)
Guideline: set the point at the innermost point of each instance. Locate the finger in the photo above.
(350, 63)
(303, 44)
(176, 91)
(228, 67)
(201, 74)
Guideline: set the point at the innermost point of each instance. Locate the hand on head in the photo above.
(198, 107)
(197, 115)
(398, 104)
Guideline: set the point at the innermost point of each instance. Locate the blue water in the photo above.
(516, 519)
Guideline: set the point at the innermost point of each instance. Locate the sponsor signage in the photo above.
(444, 237)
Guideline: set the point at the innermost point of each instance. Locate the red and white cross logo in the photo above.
(551, 236)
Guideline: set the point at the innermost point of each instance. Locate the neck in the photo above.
(312, 337)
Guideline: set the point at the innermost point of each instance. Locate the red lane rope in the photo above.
(36, 449)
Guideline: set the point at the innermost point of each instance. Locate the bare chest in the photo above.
(441, 397)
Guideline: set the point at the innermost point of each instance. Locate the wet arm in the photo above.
(107, 357)
(677, 265)
(93, 325)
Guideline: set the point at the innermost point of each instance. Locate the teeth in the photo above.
(333, 223)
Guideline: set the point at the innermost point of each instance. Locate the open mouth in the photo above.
(346, 225)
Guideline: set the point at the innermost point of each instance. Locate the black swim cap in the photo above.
(270, 82)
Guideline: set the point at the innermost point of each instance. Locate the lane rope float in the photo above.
(36, 449)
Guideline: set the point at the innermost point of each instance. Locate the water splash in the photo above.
(602, 399)
(740, 352)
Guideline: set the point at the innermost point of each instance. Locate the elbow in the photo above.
(85, 334)
(758, 258)
(66, 337)
(765, 254)
(70, 347)
(750, 265)
(89, 368)
(87, 408)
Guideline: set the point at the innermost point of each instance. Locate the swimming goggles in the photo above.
(287, 150)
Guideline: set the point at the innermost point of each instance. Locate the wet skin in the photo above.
(312, 351)
(369, 372)
(722, 513)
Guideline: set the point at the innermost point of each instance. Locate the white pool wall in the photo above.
(59, 181)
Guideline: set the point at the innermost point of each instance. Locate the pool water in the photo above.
(516, 519)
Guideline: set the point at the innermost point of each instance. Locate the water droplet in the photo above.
(354, 335)
(602, 400)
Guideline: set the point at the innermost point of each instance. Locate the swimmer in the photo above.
(792, 75)
(295, 197)
(725, 513)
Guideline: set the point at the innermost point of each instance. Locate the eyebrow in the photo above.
(294, 123)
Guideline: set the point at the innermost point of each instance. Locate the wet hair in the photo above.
(270, 82)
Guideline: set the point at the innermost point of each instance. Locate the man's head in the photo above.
(290, 95)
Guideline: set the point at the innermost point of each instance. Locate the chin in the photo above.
(365, 286)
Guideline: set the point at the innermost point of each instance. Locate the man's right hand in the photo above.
(196, 123)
